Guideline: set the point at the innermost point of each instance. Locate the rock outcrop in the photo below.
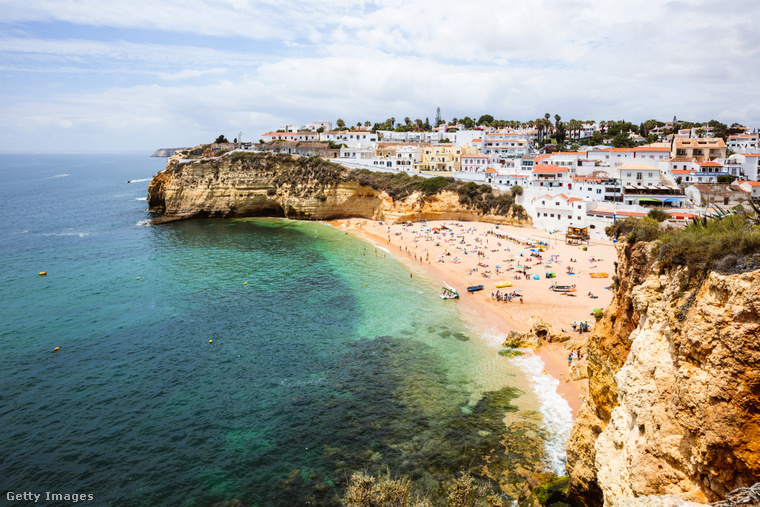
(166, 152)
(262, 184)
(674, 388)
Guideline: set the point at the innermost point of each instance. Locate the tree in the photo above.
(426, 126)
(516, 190)
(486, 119)
(320, 130)
(340, 123)
(438, 119)
(658, 215)
(221, 139)
(559, 133)
(367, 124)
(623, 140)
(407, 121)
(597, 137)
(358, 124)
(393, 122)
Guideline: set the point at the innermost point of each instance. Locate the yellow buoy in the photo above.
(55, 349)
(138, 277)
(43, 273)
(211, 341)
(246, 283)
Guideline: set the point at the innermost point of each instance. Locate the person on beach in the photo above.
(569, 360)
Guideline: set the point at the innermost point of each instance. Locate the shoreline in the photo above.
(484, 252)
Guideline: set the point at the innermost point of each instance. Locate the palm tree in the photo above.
(407, 121)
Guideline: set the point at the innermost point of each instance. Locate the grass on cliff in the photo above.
(728, 244)
(471, 195)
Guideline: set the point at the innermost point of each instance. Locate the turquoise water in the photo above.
(326, 357)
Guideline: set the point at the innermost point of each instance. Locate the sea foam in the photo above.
(558, 418)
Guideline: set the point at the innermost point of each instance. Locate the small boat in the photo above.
(563, 288)
(474, 288)
(499, 285)
(598, 275)
(449, 293)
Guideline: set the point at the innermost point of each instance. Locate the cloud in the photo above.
(144, 71)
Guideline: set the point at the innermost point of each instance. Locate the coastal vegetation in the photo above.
(726, 241)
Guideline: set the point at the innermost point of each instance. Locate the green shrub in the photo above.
(658, 215)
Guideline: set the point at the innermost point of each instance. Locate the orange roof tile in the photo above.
(549, 169)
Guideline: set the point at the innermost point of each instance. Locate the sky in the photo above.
(95, 76)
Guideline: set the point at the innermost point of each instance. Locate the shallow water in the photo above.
(326, 358)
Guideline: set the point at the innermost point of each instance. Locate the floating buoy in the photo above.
(43, 273)
(211, 341)
(138, 278)
(56, 349)
(246, 283)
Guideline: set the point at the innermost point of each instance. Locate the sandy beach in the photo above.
(463, 254)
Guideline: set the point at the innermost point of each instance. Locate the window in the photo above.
(579, 218)
(544, 214)
(552, 215)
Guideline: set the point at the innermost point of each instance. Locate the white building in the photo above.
(474, 163)
(753, 187)
(744, 143)
(506, 145)
(550, 176)
(352, 139)
(290, 136)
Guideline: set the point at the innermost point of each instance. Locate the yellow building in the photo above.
(699, 149)
(443, 158)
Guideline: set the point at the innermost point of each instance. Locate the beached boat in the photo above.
(598, 275)
(499, 285)
(474, 288)
(449, 293)
(563, 288)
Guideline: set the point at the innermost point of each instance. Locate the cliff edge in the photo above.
(674, 387)
(241, 184)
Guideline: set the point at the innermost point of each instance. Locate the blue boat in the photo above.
(474, 288)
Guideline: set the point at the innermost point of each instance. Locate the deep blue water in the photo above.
(325, 357)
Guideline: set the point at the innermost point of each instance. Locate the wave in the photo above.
(141, 198)
(80, 234)
(143, 222)
(139, 181)
(557, 415)
(60, 175)
(25, 231)
(381, 248)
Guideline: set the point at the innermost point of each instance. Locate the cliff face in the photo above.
(674, 384)
(264, 185)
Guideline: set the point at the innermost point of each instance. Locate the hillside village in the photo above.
(581, 181)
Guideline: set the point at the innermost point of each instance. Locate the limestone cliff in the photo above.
(248, 184)
(674, 384)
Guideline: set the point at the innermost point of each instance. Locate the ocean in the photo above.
(259, 360)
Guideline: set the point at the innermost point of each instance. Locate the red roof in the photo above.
(680, 171)
(491, 170)
(709, 164)
(549, 169)
(752, 183)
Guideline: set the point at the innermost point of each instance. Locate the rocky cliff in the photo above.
(261, 184)
(674, 385)
(166, 152)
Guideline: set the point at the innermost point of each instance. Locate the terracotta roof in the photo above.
(750, 154)
(709, 164)
(549, 169)
(491, 170)
(752, 183)
(586, 178)
(680, 171)
(574, 199)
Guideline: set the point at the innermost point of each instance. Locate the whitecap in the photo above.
(557, 415)
(80, 234)
(60, 175)
(381, 248)
(143, 222)
(139, 181)
(141, 198)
